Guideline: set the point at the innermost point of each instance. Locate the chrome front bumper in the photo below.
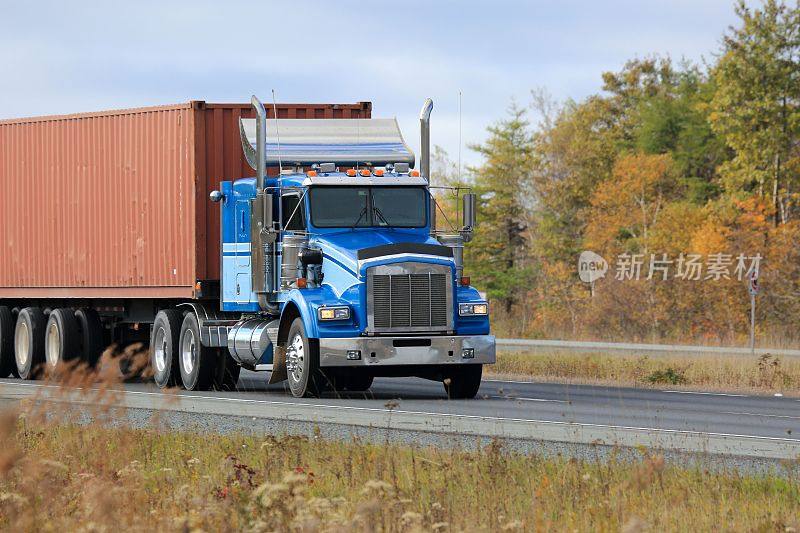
(395, 351)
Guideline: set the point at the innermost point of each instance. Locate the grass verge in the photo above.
(767, 374)
(72, 477)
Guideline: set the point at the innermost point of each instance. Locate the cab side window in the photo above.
(297, 214)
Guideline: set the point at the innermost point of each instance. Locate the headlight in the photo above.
(334, 313)
(473, 309)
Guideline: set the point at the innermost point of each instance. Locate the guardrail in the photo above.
(538, 345)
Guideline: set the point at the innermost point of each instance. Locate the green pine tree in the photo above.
(499, 254)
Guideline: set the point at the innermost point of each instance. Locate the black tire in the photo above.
(29, 342)
(164, 348)
(91, 335)
(226, 374)
(62, 339)
(7, 363)
(197, 363)
(304, 377)
(463, 382)
(352, 382)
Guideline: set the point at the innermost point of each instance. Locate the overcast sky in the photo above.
(59, 57)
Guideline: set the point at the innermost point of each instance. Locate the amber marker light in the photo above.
(414, 173)
(312, 173)
(379, 172)
(302, 283)
(366, 173)
(351, 172)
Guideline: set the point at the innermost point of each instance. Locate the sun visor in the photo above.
(346, 142)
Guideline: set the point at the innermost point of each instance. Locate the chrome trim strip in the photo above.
(441, 260)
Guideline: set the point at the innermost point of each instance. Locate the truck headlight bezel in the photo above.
(473, 309)
(334, 312)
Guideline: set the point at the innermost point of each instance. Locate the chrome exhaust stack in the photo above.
(261, 141)
(425, 139)
(262, 232)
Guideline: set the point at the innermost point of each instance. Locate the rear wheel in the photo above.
(302, 363)
(7, 363)
(91, 335)
(29, 342)
(197, 362)
(463, 382)
(61, 338)
(164, 344)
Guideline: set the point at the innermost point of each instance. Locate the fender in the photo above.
(302, 299)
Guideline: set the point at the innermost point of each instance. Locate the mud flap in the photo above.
(278, 373)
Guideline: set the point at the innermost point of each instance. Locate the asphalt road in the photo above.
(728, 424)
(762, 416)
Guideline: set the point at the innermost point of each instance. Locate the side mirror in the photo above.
(216, 196)
(469, 212)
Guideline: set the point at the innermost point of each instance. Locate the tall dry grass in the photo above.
(69, 477)
(761, 374)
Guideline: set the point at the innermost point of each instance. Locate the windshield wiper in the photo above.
(360, 216)
(380, 215)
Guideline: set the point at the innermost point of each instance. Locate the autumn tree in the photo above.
(756, 106)
(626, 207)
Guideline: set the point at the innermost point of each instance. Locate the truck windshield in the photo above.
(360, 207)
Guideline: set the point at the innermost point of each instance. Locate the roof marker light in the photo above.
(366, 173)
(351, 172)
(379, 172)
(414, 173)
(312, 173)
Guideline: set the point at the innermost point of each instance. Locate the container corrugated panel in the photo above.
(115, 204)
(220, 158)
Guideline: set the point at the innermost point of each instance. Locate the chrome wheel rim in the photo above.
(21, 344)
(295, 358)
(53, 345)
(188, 351)
(160, 350)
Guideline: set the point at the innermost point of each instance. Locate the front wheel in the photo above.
(302, 363)
(463, 382)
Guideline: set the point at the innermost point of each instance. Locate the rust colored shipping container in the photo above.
(114, 204)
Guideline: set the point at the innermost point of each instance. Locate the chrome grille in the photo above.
(407, 299)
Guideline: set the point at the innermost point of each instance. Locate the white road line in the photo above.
(759, 414)
(705, 393)
(527, 399)
(445, 415)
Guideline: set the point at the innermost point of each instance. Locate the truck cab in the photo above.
(332, 271)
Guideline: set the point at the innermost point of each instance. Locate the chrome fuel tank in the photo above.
(251, 338)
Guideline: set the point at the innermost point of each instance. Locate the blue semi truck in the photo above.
(332, 271)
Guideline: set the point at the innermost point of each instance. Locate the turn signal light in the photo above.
(366, 173)
(351, 172)
(414, 173)
(302, 283)
(464, 281)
